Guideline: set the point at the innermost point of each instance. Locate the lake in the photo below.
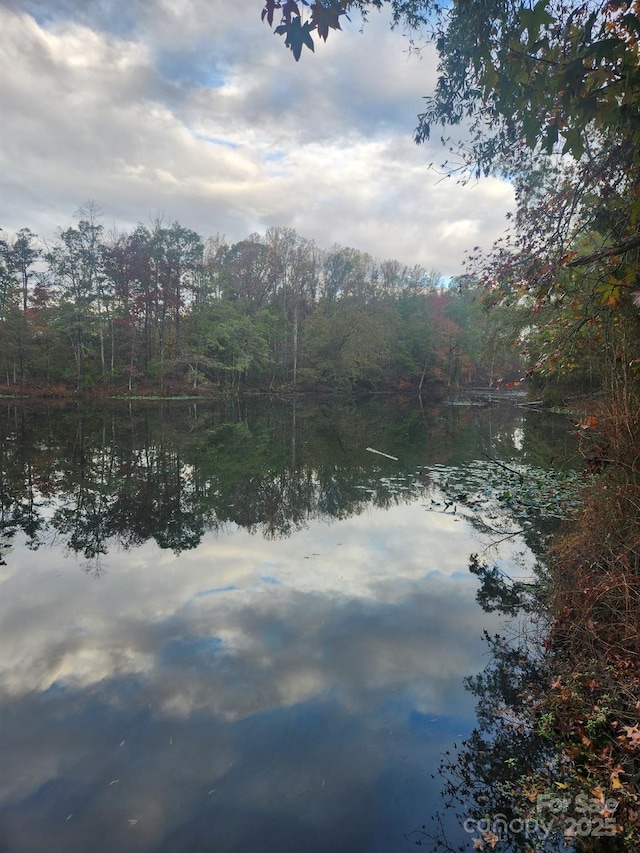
(234, 627)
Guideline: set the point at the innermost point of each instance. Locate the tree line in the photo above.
(159, 307)
(546, 94)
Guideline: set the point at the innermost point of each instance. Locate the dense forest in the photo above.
(161, 309)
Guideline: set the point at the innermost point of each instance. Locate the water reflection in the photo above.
(216, 690)
(124, 476)
(503, 763)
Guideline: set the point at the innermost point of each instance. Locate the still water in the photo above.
(234, 628)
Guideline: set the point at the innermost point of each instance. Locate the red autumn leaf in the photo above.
(269, 8)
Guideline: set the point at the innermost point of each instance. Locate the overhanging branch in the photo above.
(607, 252)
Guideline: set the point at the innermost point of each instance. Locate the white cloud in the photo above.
(185, 108)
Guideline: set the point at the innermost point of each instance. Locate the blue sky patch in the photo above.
(193, 70)
(216, 140)
(215, 589)
(188, 648)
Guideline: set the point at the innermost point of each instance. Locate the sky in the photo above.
(193, 110)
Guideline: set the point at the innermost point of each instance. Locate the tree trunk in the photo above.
(295, 347)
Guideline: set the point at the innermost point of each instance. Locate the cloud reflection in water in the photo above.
(246, 695)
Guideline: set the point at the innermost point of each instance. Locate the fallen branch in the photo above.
(380, 453)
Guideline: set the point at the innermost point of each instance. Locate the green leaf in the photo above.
(551, 137)
(542, 17)
(632, 22)
(574, 143)
(533, 19)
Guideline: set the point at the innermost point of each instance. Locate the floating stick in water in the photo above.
(380, 453)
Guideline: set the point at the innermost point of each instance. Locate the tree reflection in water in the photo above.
(124, 475)
(505, 784)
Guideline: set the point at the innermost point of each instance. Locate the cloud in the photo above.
(187, 694)
(385, 574)
(190, 109)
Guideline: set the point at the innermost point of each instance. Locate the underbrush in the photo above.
(592, 707)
